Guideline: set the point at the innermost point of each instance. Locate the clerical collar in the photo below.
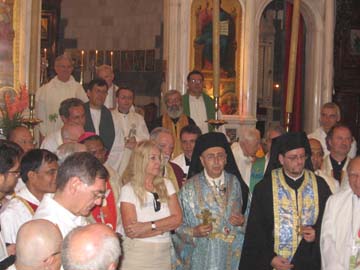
(336, 163)
(123, 112)
(215, 181)
(294, 178)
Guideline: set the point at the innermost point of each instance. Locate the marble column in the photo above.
(247, 98)
(329, 30)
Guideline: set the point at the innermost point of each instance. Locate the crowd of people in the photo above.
(107, 191)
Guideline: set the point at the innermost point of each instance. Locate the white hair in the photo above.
(247, 134)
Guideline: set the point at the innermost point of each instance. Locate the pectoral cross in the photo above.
(206, 217)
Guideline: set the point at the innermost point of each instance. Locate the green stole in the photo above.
(209, 105)
(257, 173)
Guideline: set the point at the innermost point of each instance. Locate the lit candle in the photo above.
(45, 54)
(96, 57)
(111, 58)
(82, 57)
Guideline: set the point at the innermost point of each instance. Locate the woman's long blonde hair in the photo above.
(135, 172)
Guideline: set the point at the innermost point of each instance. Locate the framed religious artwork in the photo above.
(230, 41)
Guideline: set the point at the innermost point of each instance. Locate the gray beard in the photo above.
(175, 113)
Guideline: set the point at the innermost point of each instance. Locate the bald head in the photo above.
(317, 153)
(38, 245)
(94, 246)
(71, 132)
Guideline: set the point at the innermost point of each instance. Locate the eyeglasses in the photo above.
(293, 158)
(196, 81)
(156, 202)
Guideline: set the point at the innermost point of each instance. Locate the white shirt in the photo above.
(320, 135)
(130, 120)
(146, 212)
(110, 98)
(341, 219)
(243, 163)
(3, 250)
(118, 154)
(95, 117)
(198, 112)
(15, 213)
(51, 210)
(52, 141)
(48, 99)
(180, 161)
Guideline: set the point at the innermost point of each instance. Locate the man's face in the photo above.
(166, 144)
(44, 180)
(153, 166)
(63, 69)
(76, 116)
(328, 118)
(195, 85)
(90, 196)
(317, 154)
(214, 160)
(354, 176)
(23, 138)
(9, 179)
(340, 143)
(174, 105)
(107, 75)
(250, 147)
(97, 96)
(188, 143)
(293, 162)
(96, 148)
(125, 100)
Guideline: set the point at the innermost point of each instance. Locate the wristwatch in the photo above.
(153, 226)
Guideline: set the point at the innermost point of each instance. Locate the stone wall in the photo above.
(117, 25)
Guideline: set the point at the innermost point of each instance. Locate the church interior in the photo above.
(153, 45)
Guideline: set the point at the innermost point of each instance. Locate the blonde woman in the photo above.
(149, 209)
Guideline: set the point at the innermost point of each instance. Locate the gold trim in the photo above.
(27, 205)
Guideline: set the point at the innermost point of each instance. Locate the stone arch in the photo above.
(314, 40)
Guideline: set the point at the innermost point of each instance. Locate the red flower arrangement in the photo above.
(15, 104)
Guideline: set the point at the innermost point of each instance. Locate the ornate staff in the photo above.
(292, 63)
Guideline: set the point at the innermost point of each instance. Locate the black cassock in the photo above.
(258, 249)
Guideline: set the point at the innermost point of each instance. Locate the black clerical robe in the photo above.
(258, 249)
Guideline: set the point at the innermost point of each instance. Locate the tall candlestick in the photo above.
(292, 63)
(82, 67)
(45, 54)
(96, 57)
(111, 59)
(216, 48)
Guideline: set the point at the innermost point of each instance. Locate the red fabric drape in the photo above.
(296, 124)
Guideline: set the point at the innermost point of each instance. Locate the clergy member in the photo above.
(38, 170)
(212, 201)
(49, 96)
(106, 73)
(283, 228)
(340, 232)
